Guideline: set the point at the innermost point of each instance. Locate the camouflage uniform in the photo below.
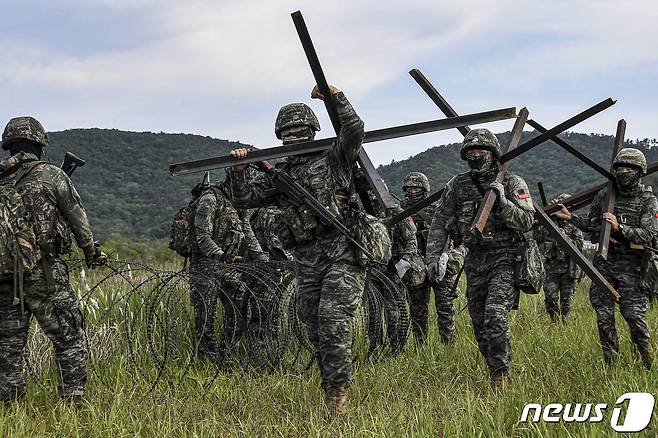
(50, 197)
(489, 264)
(561, 270)
(218, 235)
(418, 285)
(330, 279)
(265, 222)
(636, 209)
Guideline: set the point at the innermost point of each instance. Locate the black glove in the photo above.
(499, 189)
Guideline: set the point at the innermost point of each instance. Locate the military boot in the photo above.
(499, 380)
(336, 399)
(646, 351)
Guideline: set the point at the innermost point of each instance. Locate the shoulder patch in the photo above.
(522, 194)
(411, 219)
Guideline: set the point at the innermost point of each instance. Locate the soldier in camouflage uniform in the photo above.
(404, 258)
(416, 187)
(634, 224)
(489, 264)
(55, 211)
(561, 270)
(330, 278)
(222, 235)
(266, 222)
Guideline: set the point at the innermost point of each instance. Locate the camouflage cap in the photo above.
(416, 179)
(24, 128)
(631, 157)
(295, 114)
(480, 138)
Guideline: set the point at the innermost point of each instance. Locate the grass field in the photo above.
(426, 391)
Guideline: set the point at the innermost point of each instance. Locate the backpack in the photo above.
(529, 269)
(19, 249)
(181, 236)
(373, 234)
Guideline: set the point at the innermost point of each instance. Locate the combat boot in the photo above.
(499, 380)
(336, 399)
(646, 351)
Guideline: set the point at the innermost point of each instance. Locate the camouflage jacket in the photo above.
(422, 220)
(265, 222)
(636, 213)
(327, 176)
(552, 251)
(458, 206)
(403, 239)
(217, 225)
(52, 202)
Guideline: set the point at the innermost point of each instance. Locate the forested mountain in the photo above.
(127, 189)
(125, 185)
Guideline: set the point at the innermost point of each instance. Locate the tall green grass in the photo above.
(426, 391)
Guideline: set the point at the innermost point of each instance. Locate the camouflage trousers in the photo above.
(444, 297)
(559, 288)
(245, 305)
(623, 272)
(59, 316)
(328, 295)
(490, 294)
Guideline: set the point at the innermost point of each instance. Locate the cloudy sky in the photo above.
(223, 68)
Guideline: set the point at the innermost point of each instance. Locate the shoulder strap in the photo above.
(25, 170)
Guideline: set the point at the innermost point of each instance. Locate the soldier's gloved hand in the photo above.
(499, 189)
(95, 258)
(443, 266)
(433, 272)
(402, 267)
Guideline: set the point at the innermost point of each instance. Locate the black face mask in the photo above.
(479, 164)
(415, 197)
(627, 180)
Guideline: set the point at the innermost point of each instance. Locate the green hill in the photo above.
(125, 185)
(558, 170)
(127, 189)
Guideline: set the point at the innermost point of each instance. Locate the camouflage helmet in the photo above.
(295, 114)
(416, 179)
(480, 138)
(631, 157)
(561, 197)
(24, 128)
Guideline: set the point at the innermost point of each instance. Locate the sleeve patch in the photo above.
(410, 219)
(522, 194)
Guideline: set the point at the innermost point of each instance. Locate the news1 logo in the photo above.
(635, 417)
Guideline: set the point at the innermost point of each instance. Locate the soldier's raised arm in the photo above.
(70, 205)
(246, 193)
(350, 137)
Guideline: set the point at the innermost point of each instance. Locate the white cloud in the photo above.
(223, 68)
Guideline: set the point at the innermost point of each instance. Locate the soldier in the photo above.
(416, 187)
(404, 260)
(634, 224)
(55, 210)
(222, 235)
(330, 278)
(489, 264)
(561, 270)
